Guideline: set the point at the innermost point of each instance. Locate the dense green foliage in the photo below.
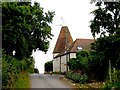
(80, 67)
(25, 27)
(77, 77)
(49, 66)
(90, 63)
(12, 67)
(106, 48)
(95, 63)
(80, 62)
(106, 19)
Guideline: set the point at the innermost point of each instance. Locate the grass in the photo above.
(23, 81)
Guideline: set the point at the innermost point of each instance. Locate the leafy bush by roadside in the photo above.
(77, 77)
(11, 68)
(80, 62)
(90, 63)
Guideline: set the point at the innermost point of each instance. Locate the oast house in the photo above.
(66, 48)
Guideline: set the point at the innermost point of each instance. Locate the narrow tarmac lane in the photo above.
(48, 81)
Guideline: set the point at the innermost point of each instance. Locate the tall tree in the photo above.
(25, 27)
(107, 19)
(106, 22)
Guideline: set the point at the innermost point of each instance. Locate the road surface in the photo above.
(48, 81)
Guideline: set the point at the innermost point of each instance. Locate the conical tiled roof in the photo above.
(64, 40)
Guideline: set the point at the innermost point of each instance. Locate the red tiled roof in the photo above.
(85, 44)
(64, 39)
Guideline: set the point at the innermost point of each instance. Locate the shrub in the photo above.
(77, 77)
(97, 66)
(49, 66)
(81, 62)
(9, 71)
(11, 67)
(68, 75)
(36, 70)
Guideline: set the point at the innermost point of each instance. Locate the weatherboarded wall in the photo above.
(56, 64)
(60, 63)
(63, 63)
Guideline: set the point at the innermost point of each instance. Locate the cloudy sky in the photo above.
(75, 14)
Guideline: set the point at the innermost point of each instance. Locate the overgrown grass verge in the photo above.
(23, 81)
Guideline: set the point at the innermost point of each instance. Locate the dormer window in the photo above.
(79, 48)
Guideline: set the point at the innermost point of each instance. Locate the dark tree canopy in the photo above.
(106, 22)
(25, 28)
(106, 19)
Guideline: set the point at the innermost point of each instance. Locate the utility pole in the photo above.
(110, 76)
